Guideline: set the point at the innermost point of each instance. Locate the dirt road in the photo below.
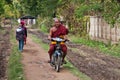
(36, 67)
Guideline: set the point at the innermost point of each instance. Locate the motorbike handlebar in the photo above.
(58, 39)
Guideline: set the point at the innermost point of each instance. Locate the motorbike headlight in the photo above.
(57, 47)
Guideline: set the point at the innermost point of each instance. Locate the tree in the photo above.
(2, 3)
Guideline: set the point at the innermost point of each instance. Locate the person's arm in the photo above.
(66, 34)
(26, 31)
(50, 34)
(65, 37)
(16, 36)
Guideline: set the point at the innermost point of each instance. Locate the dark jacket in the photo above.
(20, 33)
(25, 29)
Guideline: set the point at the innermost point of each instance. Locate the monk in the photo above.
(58, 30)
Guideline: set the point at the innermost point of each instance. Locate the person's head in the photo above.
(22, 23)
(57, 23)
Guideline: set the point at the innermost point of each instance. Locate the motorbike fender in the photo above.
(57, 53)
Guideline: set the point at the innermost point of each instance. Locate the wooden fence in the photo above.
(98, 29)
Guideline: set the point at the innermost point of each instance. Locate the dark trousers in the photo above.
(21, 45)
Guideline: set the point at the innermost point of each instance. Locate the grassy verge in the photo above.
(15, 68)
(68, 66)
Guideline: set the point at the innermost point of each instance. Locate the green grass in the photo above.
(68, 66)
(43, 28)
(15, 68)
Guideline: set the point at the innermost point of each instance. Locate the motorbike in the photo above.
(57, 56)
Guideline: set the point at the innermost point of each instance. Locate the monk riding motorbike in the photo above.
(57, 56)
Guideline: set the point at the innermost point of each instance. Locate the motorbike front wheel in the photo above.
(57, 63)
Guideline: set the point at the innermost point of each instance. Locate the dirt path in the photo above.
(36, 66)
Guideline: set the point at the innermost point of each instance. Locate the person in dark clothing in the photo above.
(21, 34)
(25, 30)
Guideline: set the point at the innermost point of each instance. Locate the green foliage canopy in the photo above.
(2, 7)
(108, 9)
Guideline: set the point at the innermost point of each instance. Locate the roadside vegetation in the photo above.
(15, 68)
